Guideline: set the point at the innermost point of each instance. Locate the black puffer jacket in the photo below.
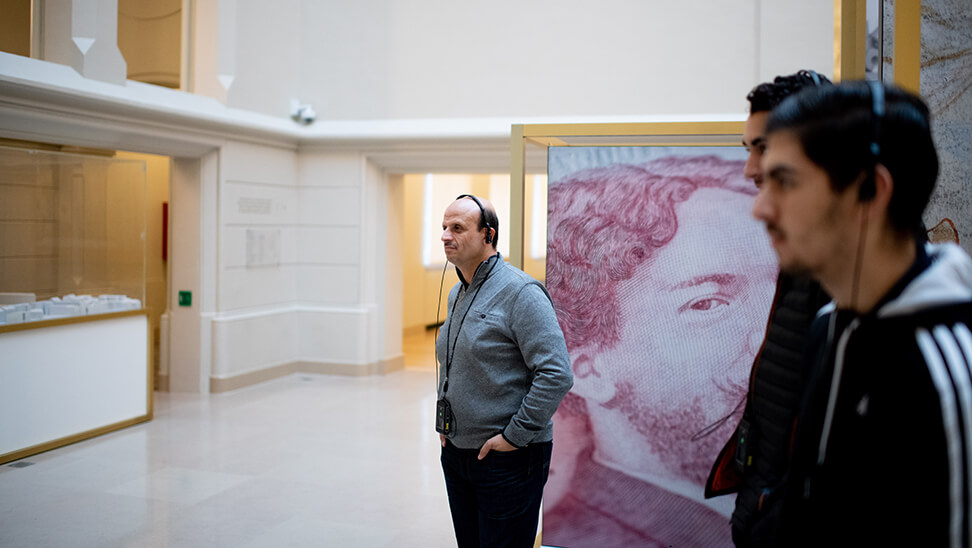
(775, 386)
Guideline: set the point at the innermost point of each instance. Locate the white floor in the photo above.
(306, 460)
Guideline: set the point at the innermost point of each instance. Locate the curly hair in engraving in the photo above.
(605, 222)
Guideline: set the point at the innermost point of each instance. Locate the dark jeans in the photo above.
(496, 501)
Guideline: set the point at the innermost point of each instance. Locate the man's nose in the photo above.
(752, 170)
(446, 235)
(762, 206)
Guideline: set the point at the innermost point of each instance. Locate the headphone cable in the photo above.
(438, 308)
(858, 260)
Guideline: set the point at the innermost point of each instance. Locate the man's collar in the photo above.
(465, 284)
(921, 262)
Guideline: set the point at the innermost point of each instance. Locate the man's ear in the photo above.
(589, 381)
(878, 198)
(882, 187)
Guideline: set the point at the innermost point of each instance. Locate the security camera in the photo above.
(302, 113)
(306, 114)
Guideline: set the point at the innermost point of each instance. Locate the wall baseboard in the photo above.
(381, 367)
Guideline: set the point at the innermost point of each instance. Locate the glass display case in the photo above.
(73, 235)
(74, 332)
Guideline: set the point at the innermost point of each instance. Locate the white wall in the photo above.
(394, 269)
(258, 214)
(268, 60)
(400, 59)
(329, 218)
(346, 268)
(303, 272)
(792, 35)
(408, 59)
(258, 259)
(183, 361)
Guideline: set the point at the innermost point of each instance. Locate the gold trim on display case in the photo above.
(39, 324)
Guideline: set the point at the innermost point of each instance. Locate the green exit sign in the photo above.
(185, 298)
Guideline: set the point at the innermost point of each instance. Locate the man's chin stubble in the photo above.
(672, 434)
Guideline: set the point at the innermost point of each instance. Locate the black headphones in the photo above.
(482, 213)
(812, 75)
(868, 187)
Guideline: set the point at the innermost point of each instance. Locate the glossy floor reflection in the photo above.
(306, 460)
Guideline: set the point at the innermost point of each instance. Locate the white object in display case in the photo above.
(69, 305)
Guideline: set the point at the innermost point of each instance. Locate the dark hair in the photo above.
(766, 96)
(489, 216)
(836, 126)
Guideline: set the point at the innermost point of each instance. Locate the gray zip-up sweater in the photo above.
(509, 365)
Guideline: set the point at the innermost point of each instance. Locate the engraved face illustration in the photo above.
(662, 282)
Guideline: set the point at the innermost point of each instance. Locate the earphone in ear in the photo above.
(868, 187)
(482, 213)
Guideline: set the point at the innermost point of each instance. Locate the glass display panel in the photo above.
(72, 235)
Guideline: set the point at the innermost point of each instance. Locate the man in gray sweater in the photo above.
(504, 369)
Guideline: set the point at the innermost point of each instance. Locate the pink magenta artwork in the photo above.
(662, 282)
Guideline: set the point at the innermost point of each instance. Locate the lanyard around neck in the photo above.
(450, 354)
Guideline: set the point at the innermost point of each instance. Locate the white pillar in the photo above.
(211, 65)
(83, 34)
(189, 334)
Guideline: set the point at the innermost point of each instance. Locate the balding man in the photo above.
(503, 371)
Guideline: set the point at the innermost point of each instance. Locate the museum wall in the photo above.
(333, 316)
(413, 271)
(258, 259)
(397, 59)
(186, 350)
(392, 283)
(264, 59)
